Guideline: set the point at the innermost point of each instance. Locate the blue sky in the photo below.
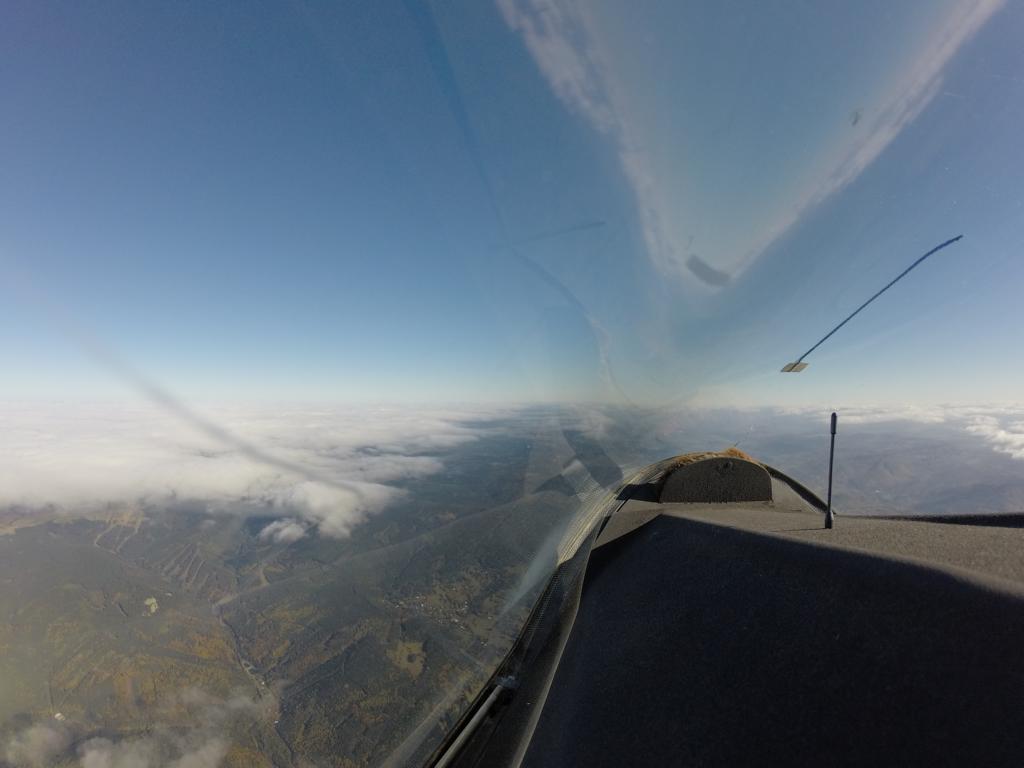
(505, 202)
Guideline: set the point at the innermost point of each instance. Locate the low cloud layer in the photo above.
(999, 425)
(1006, 435)
(873, 414)
(203, 745)
(78, 459)
(38, 745)
(333, 466)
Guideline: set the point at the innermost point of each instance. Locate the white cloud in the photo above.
(1000, 425)
(1005, 438)
(104, 753)
(867, 414)
(37, 745)
(327, 468)
(149, 753)
(593, 420)
(562, 39)
(203, 745)
(283, 531)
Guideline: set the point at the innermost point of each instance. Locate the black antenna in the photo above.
(799, 365)
(829, 517)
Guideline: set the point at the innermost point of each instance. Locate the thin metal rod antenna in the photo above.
(829, 516)
(888, 285)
